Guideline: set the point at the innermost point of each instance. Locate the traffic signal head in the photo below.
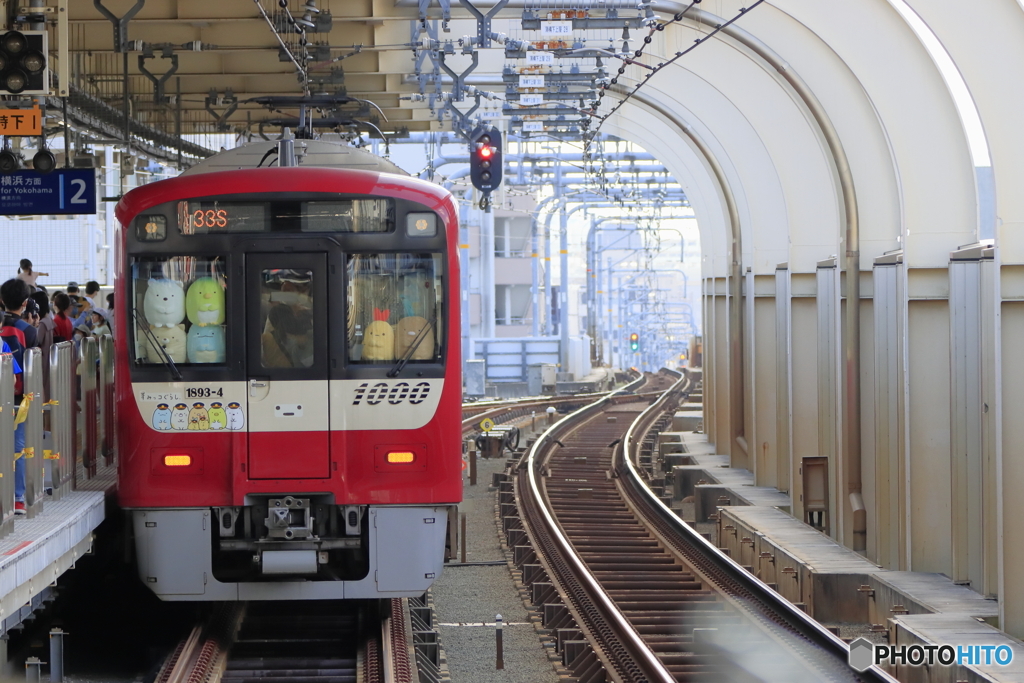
(634, 342)
(23, 63)
(485, 158)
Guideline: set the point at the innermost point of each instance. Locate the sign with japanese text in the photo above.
(556, 28)
(21, 121)
(540, 58)
(64, 191)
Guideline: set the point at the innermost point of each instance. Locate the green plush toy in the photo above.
(204, 302)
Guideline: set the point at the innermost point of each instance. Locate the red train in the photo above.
(289, 379)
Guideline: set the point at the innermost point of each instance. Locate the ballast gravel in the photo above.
(467, 598)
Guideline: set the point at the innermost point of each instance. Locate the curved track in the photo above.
(630, 591)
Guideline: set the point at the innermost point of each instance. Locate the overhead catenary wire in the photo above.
(301, 69)
(589, 133)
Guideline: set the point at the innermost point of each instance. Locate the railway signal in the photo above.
(485, 158)
(634, 342)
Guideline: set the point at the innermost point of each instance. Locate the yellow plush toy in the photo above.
(379, 337)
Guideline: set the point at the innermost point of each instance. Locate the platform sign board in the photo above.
(21, 121)
(64, 191)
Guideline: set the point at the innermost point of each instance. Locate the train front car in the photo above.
(288, 383)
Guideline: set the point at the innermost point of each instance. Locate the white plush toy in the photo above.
(164, 303)
(172, 340)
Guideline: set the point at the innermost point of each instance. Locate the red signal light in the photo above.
(486, 152)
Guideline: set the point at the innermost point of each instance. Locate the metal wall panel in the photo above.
(972, 442)
(829, 364)
(889, 526)
(990, 370)
(723, 390)
(749, 426)
(708, 382)
(784, 378)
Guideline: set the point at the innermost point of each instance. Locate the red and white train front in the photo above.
(288, 382)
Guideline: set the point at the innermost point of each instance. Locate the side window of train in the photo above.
(286, 318)
(178, 305)
(394, 307)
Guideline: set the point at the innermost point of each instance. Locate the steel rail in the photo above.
(750, 593)
(630, 651)
(386, 653)
(616, 642)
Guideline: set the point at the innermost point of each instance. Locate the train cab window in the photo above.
(179, 309)
(394, 308)
(348, 215)
(286, 318)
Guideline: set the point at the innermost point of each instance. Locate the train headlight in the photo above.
(177, 460)
(401, 456)
(421, 224)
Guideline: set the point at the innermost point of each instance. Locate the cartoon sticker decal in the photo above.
(218, 416)
(162, 417)
(171, 413)
(198, 418)
(236, 418)
(179, 418)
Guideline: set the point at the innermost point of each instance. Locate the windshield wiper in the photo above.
(151, 338)
(420, 336)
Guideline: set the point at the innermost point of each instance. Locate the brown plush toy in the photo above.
(405, 335)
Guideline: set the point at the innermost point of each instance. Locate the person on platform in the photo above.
(14, 295)
(100, 322)
(63, 330)
(27, 275)
(44, 335)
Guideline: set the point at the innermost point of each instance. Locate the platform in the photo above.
(831, 582)
(43, 547)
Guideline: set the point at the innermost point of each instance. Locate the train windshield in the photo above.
(394, 308)
(286, 317)
(178, 304)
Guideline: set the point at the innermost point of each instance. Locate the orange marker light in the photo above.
(401, 456)
(177, 460)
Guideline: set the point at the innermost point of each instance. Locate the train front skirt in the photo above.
(404, 546)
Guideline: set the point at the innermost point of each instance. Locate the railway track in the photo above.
(629, 592)
(367, 641)
(503, 412)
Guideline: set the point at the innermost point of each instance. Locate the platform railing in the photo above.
(106, 393)
(63, 419)
(33, 403)
(54, 449)
(90, 405)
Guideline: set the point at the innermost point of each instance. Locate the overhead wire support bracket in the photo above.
(460, 120)
(120, 23)
(446, 13)
(458, 83)
(229, 100)
(483, 21)
(159, 83)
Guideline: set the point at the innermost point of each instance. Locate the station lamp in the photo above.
(23, 68)
(9, 161)
(634, 342)
(485, 158)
